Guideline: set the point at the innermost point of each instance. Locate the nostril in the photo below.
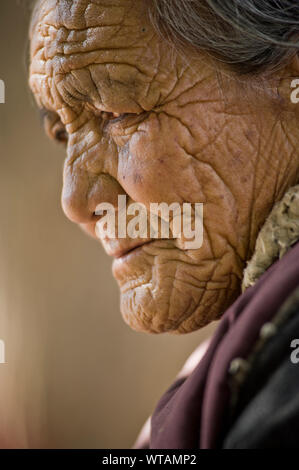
(74, 199)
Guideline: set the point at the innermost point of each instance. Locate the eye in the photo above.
(53, 126)
(61, 135)
(107, 117)
(113, 117)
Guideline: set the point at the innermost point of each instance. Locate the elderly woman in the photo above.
(190, 101)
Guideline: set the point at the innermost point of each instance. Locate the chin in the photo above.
(168, 310)
(160, 292)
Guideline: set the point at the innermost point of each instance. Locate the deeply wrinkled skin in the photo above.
(186, 133)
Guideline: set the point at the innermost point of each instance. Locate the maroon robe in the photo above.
(193, 413)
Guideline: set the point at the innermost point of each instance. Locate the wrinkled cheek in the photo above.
(148, 172)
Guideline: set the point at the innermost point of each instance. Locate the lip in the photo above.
(121, 253)
(118, 248)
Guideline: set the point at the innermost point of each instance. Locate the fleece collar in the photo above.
(278, 234)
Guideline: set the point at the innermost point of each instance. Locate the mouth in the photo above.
(122, 253)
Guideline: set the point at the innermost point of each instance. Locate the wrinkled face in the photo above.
(139, 120)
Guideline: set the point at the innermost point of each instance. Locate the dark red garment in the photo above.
(193, 413)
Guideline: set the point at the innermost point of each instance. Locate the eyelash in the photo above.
(113, 118)
(56, 130)
(59, 133)
(107, 116)
(61, 136)
(54, 127)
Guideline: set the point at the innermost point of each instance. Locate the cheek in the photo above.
(154, 167)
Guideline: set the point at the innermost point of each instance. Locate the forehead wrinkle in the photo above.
(121, 62)
(80, 14)
(64, 42)
(101, 33)
(83, 14)
(57, 51)
(53, 40)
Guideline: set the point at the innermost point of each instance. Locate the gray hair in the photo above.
(250, 35)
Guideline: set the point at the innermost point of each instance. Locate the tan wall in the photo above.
(76, 375)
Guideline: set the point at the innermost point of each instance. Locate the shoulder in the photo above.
(264, 408)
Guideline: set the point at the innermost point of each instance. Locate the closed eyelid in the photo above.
(53, 126)
(47, 115)
(101, 113)
(44, 114)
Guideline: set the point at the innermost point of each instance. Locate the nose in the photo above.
(83, 192)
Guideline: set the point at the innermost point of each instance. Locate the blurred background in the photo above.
(75, 375)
